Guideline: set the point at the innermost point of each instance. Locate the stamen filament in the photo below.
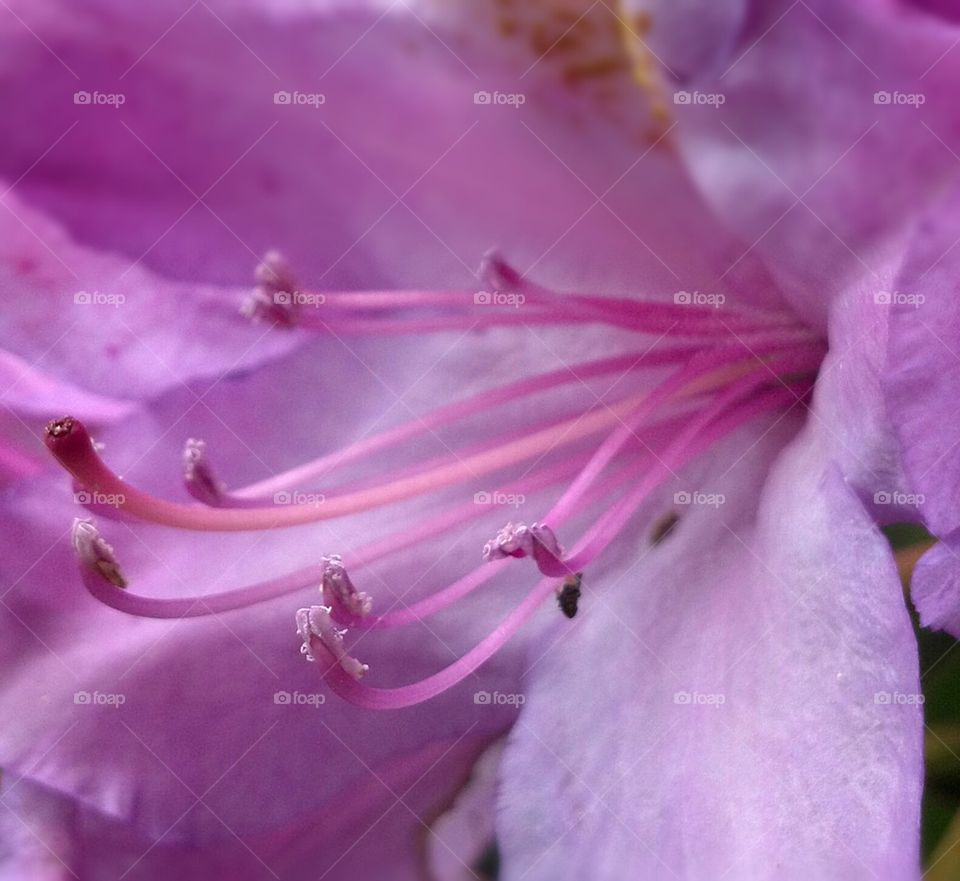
(303, 475)
(351, 690)
(308, 576)
(73, 449)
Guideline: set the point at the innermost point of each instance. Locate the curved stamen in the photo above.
(463, 586)
(682, 317)
(278, 298)
(315, 623)
(540, 542)
(307, 577)
(669, 324)
(198, 477)
(95, 553)
(408, 695)
(658, 397)
(69, 441)
(338, 589)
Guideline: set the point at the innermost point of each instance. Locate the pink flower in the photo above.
(708, 702)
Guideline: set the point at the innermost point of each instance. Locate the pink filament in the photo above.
(77, 454)
(539, 305)
(460, 410)
(730, 373)
(407, 695)
(308, 576)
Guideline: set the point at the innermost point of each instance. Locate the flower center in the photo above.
(722, 370)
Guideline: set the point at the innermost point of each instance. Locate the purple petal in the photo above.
(98, 324)
(923, 371)
(817, 103)
(750, 708)
(565, 183)
(935, 586)
(375, 829)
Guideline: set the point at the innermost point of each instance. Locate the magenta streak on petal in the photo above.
(15, 465)
(351, 690)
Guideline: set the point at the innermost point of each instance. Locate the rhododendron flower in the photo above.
(343, 561)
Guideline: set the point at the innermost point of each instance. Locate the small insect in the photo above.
(568, 594)
(663, 527)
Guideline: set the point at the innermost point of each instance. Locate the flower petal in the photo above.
(96, 321)
(935, 586)
(749, 709)
(376, 829)
(922, 377)
(571, 187)
(793, 137)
